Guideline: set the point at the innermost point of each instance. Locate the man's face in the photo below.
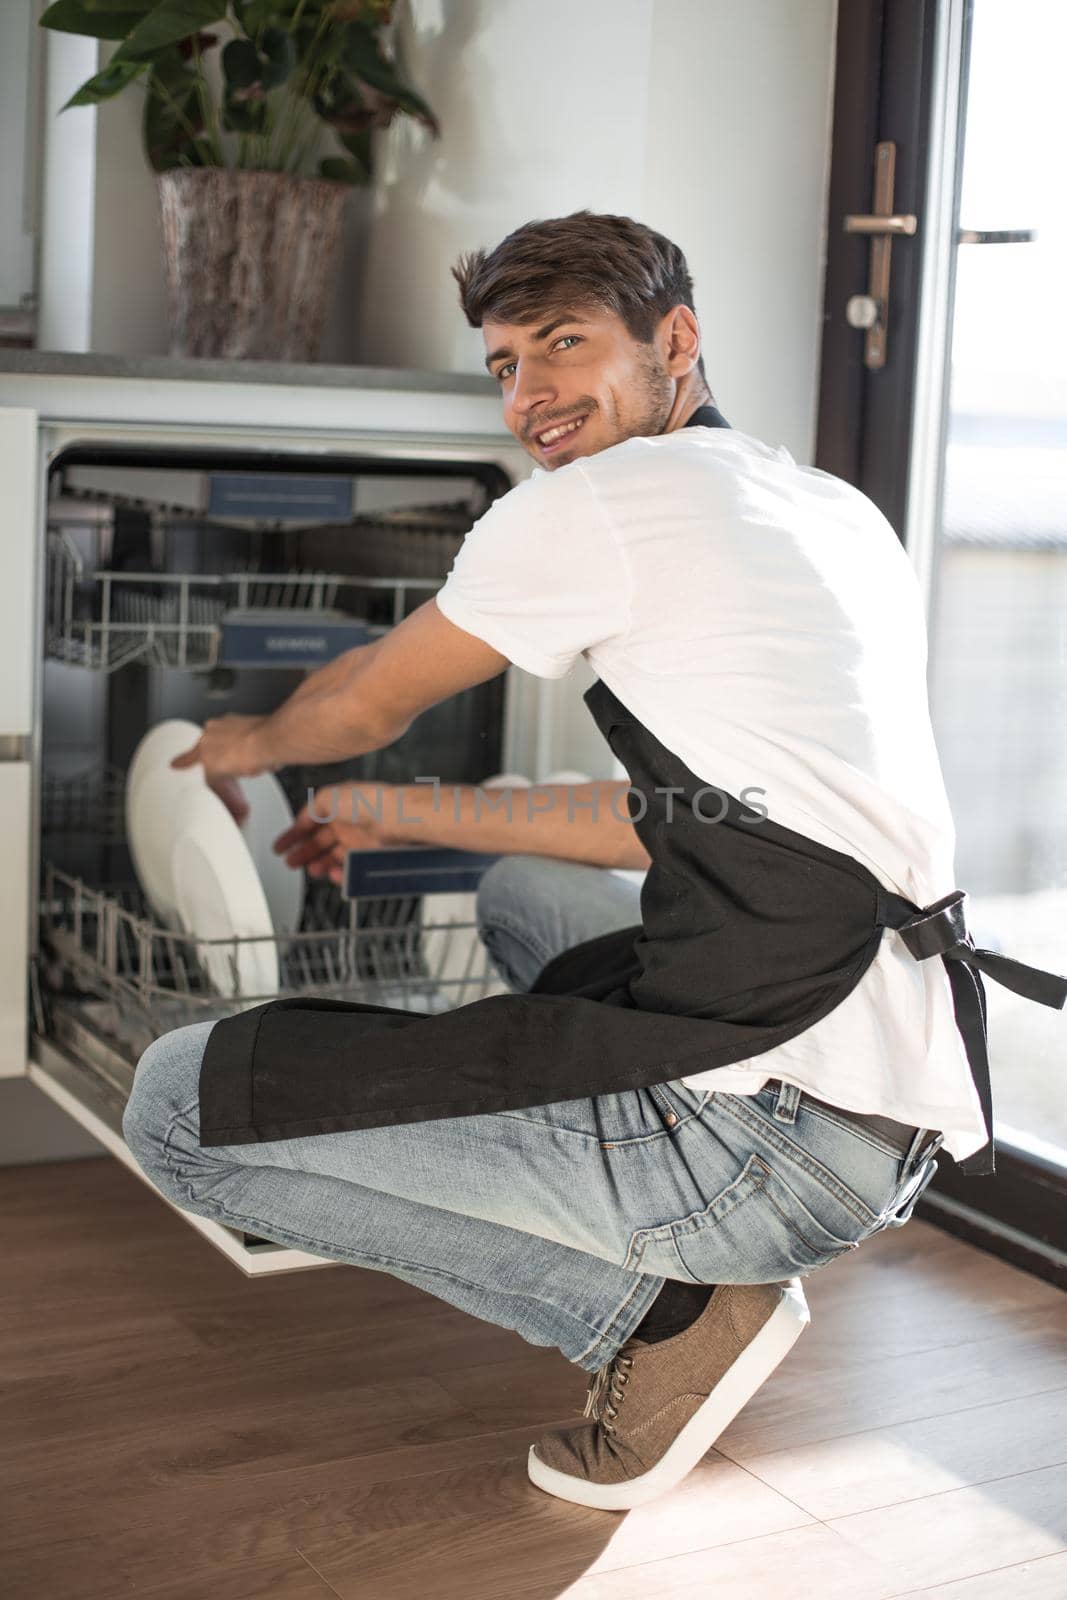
(585, 365)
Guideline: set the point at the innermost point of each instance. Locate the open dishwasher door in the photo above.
(166, 574)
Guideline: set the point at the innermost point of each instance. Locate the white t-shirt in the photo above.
(764, 622)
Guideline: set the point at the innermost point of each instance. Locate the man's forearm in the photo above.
(320, 721)
(585, 822)
(335, 674)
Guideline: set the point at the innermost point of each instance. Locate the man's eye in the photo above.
(503, 372)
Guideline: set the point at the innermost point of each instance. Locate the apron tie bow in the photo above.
(941, 930)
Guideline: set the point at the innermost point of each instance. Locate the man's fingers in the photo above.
(299, 829)
(306, 822)
(309, 848)
(187, 757)
(231, 794)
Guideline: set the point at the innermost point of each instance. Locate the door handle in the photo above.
(882, 224)
(996, 236)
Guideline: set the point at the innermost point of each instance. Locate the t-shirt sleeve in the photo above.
(540, 576)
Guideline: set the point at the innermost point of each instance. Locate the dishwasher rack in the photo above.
(103, 619)
(101, 940)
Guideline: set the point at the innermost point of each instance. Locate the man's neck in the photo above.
(688, 398)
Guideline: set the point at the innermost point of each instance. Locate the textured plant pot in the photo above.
(250, 260)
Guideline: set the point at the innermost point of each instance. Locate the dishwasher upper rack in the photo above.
(175, 619)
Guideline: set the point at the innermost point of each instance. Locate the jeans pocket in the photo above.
(756, 1230)
(834, 1170)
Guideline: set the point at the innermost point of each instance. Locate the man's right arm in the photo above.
(586, 822)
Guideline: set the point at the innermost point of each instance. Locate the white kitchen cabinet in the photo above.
(18, 550)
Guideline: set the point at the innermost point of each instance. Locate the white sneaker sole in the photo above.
(733, 1391)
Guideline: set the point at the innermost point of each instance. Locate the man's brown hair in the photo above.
(571, 263)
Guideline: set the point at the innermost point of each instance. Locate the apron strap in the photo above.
(941, 930)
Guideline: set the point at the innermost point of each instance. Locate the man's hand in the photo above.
(231, 794)
(229, 748)
(320, 845)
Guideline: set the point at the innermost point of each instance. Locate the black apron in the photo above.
(750, 933)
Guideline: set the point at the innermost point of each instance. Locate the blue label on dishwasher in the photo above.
(277, 497)
(287, 642)
(414, 869)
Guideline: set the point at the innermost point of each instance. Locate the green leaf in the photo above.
(168, 118)
(240, 63)
(256, 14)
(113, 21)
(268, 64)
(169, 21)
(364, 58)
(360, 146)
(108, 83)
(244, 116)
(342, 171)
(172, 70)
(280, 53)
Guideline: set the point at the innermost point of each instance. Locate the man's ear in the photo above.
(681, 335)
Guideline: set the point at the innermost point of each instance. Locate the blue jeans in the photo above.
(559, 1221)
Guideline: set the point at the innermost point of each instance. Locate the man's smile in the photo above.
(551, 439)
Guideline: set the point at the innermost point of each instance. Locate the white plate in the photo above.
(156, 795)
(506, 780)
(269, 814)
(158, 748)
(219, 895)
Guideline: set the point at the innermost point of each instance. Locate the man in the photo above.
(637, 1154)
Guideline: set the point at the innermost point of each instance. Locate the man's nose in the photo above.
(532, 390)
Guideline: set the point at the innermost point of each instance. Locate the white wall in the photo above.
(18, 76)
(709, 120)
(101, 280)
(68, 208)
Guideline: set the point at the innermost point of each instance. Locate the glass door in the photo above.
(959, 436)
(998, 557)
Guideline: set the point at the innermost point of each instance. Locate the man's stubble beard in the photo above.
(653, 396)
(657, 395)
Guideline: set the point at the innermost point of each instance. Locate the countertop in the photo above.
(408, 405)
(286, 374)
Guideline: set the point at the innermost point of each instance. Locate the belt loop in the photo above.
(914, 1147)
(785, 1107)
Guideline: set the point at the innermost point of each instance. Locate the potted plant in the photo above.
(258, 117)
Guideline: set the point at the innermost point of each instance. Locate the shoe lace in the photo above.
(606, 1391)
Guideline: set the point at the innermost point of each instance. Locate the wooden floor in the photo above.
(173, 1429)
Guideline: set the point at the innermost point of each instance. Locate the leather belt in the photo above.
(897, 1134)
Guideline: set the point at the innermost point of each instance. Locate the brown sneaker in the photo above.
(657, 1408)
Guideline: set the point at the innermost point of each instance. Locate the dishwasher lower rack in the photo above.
(102, 944)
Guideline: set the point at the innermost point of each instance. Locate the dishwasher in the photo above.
(189, 563)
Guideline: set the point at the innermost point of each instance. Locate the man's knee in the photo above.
(166, 1081)
(506, 887)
